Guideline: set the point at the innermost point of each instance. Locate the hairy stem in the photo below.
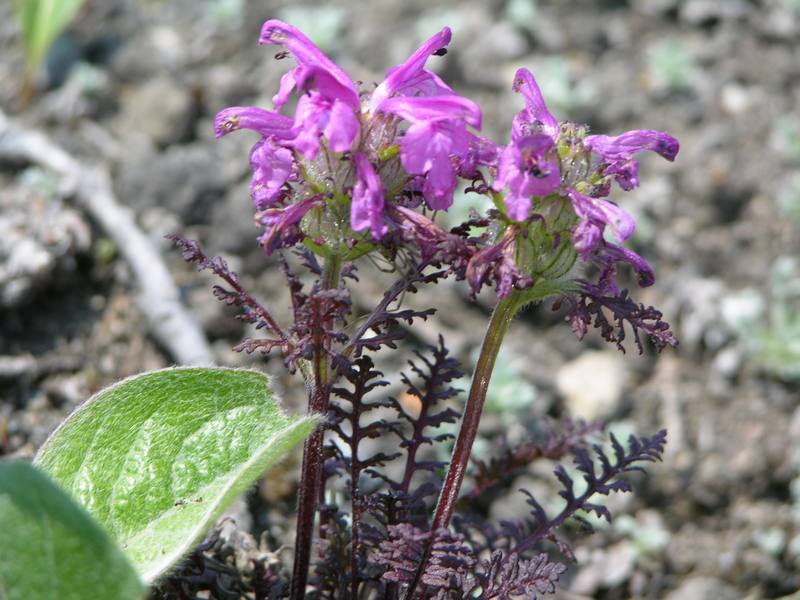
(311, 473)
(492, 340)
(356, 511)
(501, 318)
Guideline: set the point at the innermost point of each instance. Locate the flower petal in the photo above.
(481, 152)
(265, 122)
(625, 172)
(366, 209)
(619, 222)
(303, 50)
(435, 108)
(272, 165)
(310, 118)
(645, 275)
(411, 78)
(426, 149)
(585, 238)
(316, 115)
(497, 264)
(535, 112)
(280, 222)
(440, 183)
(595, 214)
(624, 146)
(426, 234)
(322, 81)
(342, 127)
(421, 144)
(518, 205)
(527, 167)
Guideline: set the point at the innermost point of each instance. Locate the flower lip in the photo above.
(528, 168)
(315, 77)
(481, 151)
(265, 122)
(625, 145)
(278, 33)
(595, 214)
(272, 166)
(645, 275)
(616, 153)
(280, 221)
(318, 115)
(419, 109)
(367, 203)
(536, 111)
(411, 78)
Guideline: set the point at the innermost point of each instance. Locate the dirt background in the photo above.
(135, 85)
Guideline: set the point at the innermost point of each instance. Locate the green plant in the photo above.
(47, 541)
(786, 137)
(360, 172)
(770, 333)
(789, 199)
(670, 66)
(153, 460)
(41, 21)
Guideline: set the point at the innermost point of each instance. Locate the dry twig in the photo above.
(171, 324)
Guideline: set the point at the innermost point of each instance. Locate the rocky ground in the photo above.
(134, 85)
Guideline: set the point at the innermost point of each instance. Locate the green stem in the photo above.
(493, 339)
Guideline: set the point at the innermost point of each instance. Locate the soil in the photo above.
(135, 85)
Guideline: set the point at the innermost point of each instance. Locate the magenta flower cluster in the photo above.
(334, 119)
(380, 158)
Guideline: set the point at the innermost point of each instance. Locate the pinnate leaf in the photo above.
(51, 548)
(156, 458)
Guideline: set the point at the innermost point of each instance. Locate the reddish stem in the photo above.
(311, 474)
(501, 318)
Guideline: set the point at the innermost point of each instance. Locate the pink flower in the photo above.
(271, 163)
(328, 103)
(595, 214)
(366, 209)
(528, 168)
(438, 133)
(617, 152)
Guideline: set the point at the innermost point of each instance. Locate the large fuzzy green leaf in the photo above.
(156, 458)
(41, 21)
(51, 548)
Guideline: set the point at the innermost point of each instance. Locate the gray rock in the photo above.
(161, 109)
(481, 60)
(233, 228)
(548, 31)
(592, 384)
(39, 236)
(698, 12)
(779, 21)
(654, 8)
(728, 361)
(186, 180)
(703, 588)
(605, 568)
(26, 264)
